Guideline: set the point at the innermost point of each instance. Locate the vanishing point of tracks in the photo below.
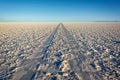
(74, 63)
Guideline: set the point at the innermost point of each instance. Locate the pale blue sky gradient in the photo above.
(59, 10)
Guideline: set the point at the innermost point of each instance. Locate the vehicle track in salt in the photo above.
(47, 44)
(75, 63)
(55, 67)
(32, 67)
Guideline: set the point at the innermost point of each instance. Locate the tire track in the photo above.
(51, 37)
(75, 63)
(48, 43)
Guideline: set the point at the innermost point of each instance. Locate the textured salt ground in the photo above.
(96, 56)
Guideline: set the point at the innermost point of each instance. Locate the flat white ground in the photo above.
(60, 51)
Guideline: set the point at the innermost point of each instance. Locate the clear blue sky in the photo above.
(59, 10)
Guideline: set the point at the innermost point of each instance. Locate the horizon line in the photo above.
(59, 21)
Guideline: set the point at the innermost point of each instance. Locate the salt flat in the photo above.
(60, 51)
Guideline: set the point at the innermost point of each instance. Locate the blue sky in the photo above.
(59, 10)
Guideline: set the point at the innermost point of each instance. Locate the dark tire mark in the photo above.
(48, 43)
(81, 57)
